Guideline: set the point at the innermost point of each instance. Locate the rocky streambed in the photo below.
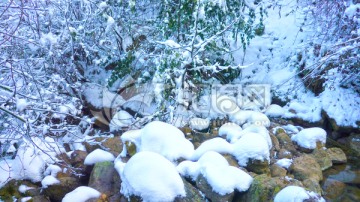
(330, 170)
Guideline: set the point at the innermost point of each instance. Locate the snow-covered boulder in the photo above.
(151, 177)
(161, 138)
(199, 124)
(297, 194)
(223, 179)
(250, 117)
(274, 110)
(229, 130)
(253, 128)
(308, 137)
(216, 144)
(251, 146)
(120, 120)
(98, 155)
(81, 194)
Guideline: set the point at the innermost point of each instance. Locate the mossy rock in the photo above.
(192, 194)
(10, 191)
(264, 188)
(205, 188)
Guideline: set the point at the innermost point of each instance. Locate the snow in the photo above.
(250, 117)
(216, 144)
(274, 110)
(171, 44)
(25, 199)
(162, 138)
(103, 5)
(259, 129)
(81, 194)
(26, 165)
(221, 177)
(6, 171)
(229, 130)
(21, 104)
(23, 188)
(199, 123)
(52, 170)
(285, 163)
(308, 137)
(49, 180)
(98, 155)
(352, 10)
(295, 194)
(251, 146)
(150, 176)
(121, 119)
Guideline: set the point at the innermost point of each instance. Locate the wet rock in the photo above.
(192, 194)
(312, 185)
(284, 154)
(277, 171)
(40, 198)
(105, 179)
(258, 167)
(56, 192)
(207, 190)
(264, 188)
(306, 167)
(354, 141)
(323, 158)
(337, 155)
(77, 159)
(333, 189)
(112, 144)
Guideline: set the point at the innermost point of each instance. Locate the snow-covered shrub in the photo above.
(331, 58)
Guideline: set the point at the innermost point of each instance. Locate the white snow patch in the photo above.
(259, 129)
(6, 171)
(98, 155)
(250, 117)
(274, 110)
(229, 130)
(199, 123)
(49, 180)
(121, 119)
(150, 176)
(285, 163)
(308, 137)
(23, 188)
(21, 104)
(295, 194)
(52, 170)
(81, 194)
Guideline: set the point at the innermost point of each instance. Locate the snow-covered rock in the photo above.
(161, 138)
(223, 178)
(121, 119)
(250, 117)
(150, 176)
(81, 194)
(251, 146)
(216, 144)
(49, 180)
(308, 137)
(199, 124)
(98, 155)
(253, 128)
(274, 110)
(229, 130)
(296, 194)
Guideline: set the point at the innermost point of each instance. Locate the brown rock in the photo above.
(286, 143)
(207, 190)
(112, 144)
(284, 154)
(258, 167)
(275, 142)
(323, 158)
(306, 167)
(312, 185)
(56, 192)
(337, 155)
(277, 171)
